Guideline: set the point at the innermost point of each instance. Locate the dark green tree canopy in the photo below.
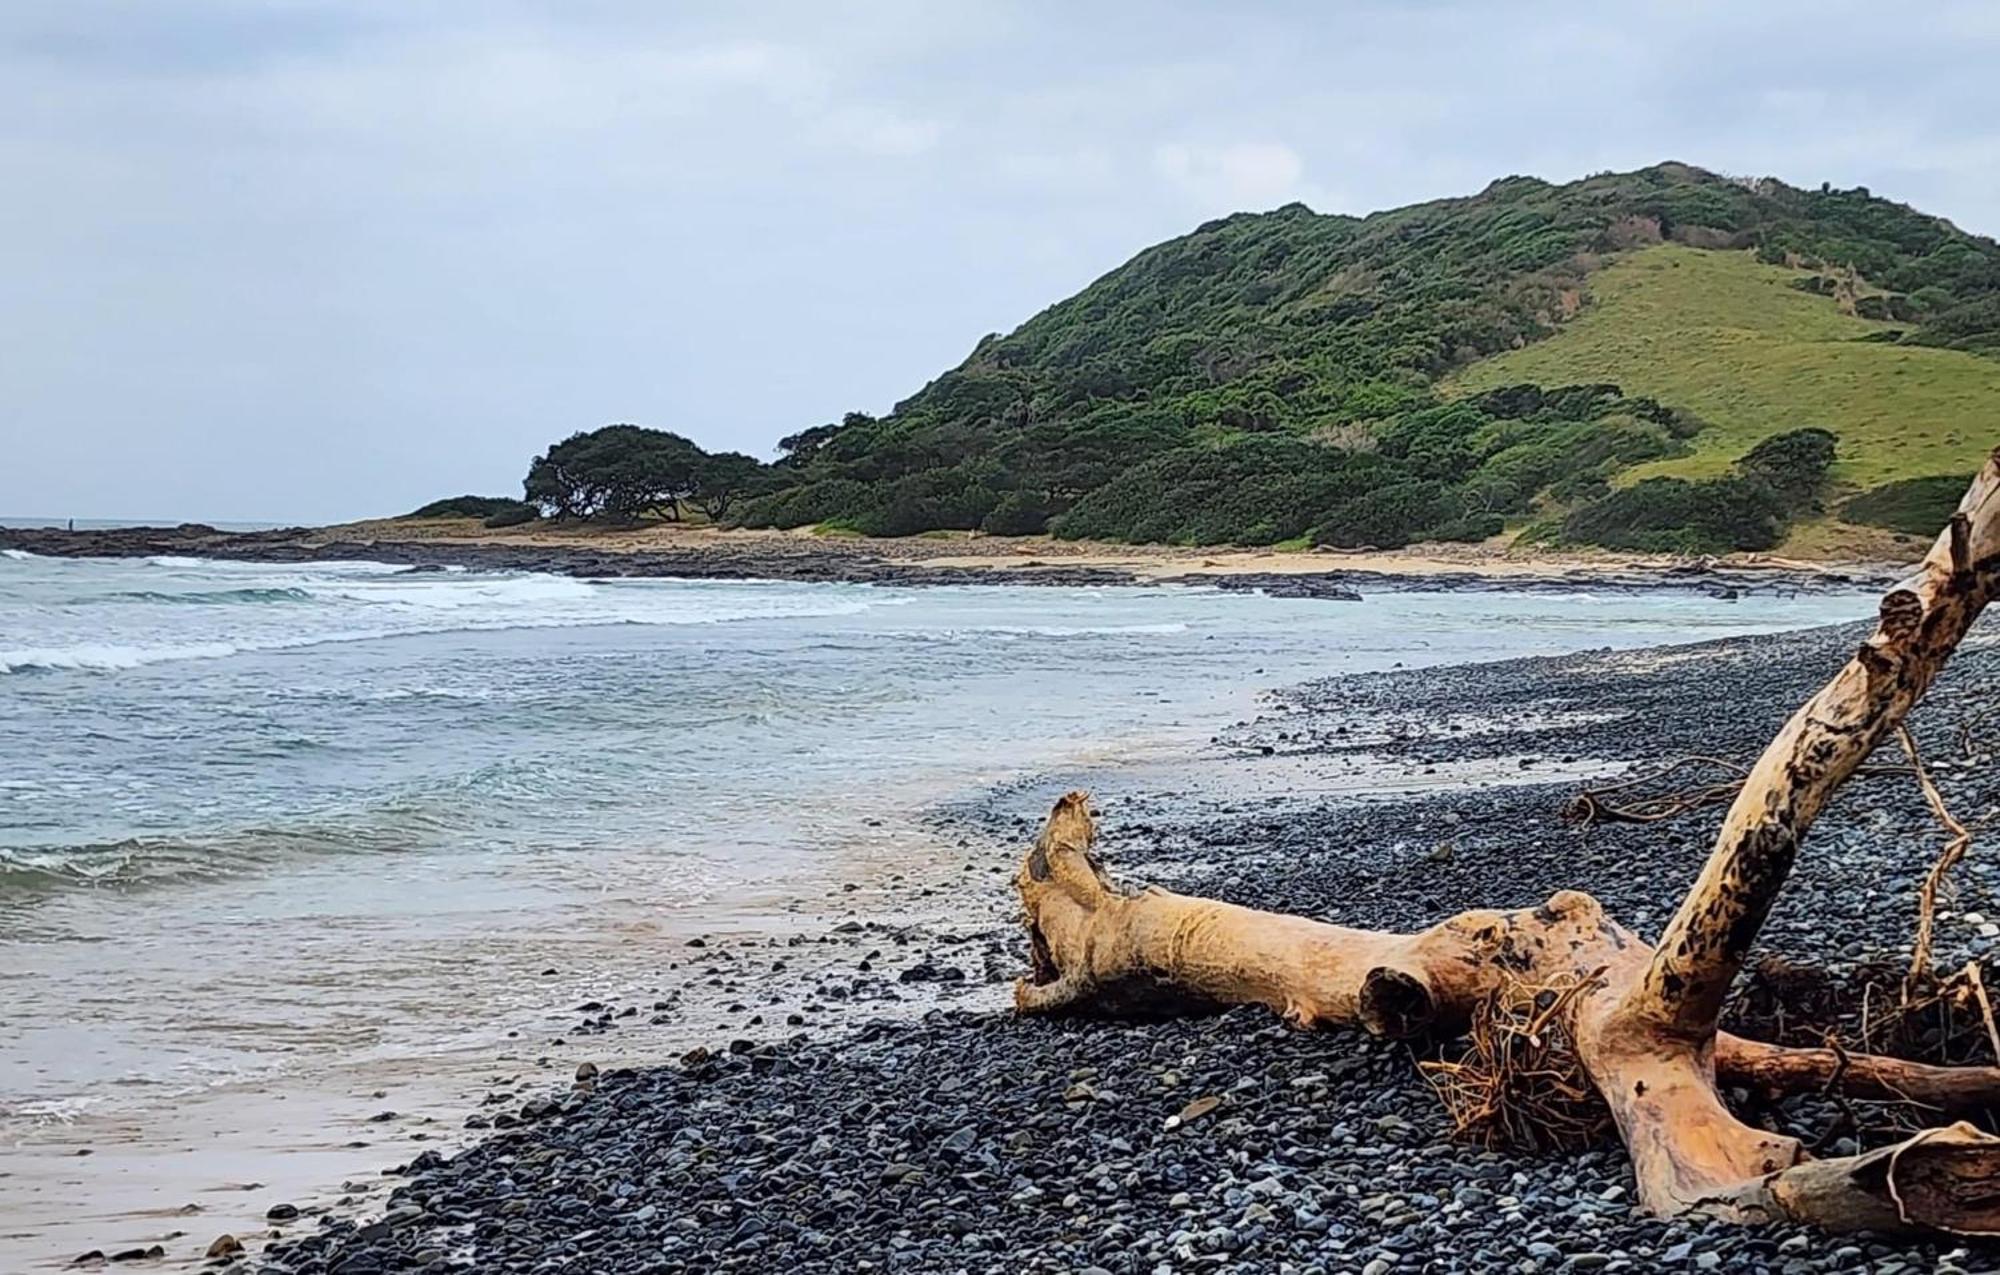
(723, 478)
(621, 472)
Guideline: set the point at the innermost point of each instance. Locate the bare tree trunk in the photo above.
(1644, 1017)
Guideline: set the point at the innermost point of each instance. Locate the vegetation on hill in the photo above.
(1749, 508)
(493, 511)
(1251, 381)
(1615, 361)
(464, 507)
(1913, 506)
(1731, 340)
(1444, 472)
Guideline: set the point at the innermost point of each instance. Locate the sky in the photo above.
(286, 260)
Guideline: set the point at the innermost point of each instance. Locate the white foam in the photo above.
(397, 605)
(426, 692)
(1009, 632)
(17, 555)
(108, 657)
(56, 1111)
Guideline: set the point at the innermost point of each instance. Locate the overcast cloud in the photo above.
(307, 261)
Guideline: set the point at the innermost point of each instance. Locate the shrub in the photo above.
(1472, 528)
(1793, 463)
(465, 507)
(933, 500)
(1915, 506)
(1672, 515)
(808, 504)
(1258, 491)
(1390, 517)
(516, 513)
(1775, 479)
(1019, 513)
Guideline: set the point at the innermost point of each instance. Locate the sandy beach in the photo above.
(700, 551)
(971, 551)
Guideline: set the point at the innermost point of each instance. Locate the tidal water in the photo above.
(254, 817)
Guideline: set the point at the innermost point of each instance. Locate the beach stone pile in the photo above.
(976, 1142)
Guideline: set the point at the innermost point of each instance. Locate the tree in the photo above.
(1636, 1025)
(619, 471)
(645, 470)
(563, 482)
(801, 448)
(721, 478)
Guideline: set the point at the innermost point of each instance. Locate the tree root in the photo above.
(1520, 1082)
(1560, 999)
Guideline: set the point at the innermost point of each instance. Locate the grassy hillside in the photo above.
(1532, 353)
(1733, 341)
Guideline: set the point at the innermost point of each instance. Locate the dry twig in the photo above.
(1961, 840)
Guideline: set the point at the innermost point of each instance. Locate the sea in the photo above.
(259, 819)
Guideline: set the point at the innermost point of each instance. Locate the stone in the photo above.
(960, 1141)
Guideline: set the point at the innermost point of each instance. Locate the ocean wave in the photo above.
(217, 597)
(17, 555)
(140, 862)
(112, 658)
(1012, 631)
(425, 692)
(440, 592)
(115, 863)
(54, 1111)
(320, 604)
(107, 657)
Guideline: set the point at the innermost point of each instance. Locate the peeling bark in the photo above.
(1645, 1026)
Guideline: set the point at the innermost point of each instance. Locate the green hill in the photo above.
(1735, 342)
(1561, 357)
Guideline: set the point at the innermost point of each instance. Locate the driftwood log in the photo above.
(1643, 1018)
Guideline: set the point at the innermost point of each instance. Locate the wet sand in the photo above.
(180, 1168)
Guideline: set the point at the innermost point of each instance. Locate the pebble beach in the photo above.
(949, 1135)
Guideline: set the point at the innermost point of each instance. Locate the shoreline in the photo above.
(316, 1142)
(955, 922)
(703, 553)
(982, 1142)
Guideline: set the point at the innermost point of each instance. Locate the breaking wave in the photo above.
(126, 628)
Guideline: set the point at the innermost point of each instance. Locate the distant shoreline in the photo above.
(701, 552)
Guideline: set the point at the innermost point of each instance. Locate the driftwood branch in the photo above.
(1641, 1019)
